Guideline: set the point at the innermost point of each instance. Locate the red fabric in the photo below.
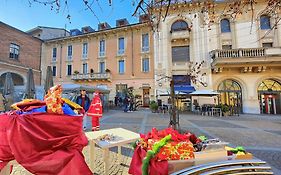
(83, 102)
(5, 150)
(95, 109)
(95, 123)
(155, 166)
(44, 143)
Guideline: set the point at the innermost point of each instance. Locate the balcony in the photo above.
(91, 76)
(250, 56)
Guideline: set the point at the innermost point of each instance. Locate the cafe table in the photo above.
(121, 137)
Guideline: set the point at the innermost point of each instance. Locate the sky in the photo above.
(19, 14)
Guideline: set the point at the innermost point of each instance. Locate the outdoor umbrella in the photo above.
(49, 82)
(8, 91)
(30, 86)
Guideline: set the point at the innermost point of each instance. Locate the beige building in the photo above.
(242, 58)
(115, 58)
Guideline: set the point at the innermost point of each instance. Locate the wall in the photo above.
(249, 83)
(29, 54)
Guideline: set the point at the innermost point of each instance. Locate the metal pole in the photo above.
(173, 119)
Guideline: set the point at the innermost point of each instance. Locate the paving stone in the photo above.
(252, 131)
(222, 124)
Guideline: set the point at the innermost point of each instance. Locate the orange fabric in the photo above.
(28, 104)
(53, 100)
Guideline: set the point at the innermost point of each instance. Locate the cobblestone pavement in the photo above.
(259, 134)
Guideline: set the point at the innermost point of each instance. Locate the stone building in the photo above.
(112, 57)
(242, 57)
(19, 52)
(45, 33)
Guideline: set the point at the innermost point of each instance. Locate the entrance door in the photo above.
(146, 98)
(270, 96)
(270, 104)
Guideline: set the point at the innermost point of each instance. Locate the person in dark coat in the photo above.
(83, 100)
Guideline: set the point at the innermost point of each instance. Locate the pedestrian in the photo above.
(131, 105)
(126, 104)
(116, 100)
(2, 103)
(83, 100)
(95, 111)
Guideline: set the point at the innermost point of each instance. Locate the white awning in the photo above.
(204, 93)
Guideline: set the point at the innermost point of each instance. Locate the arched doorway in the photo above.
(230, 93)
(270, 97)
(17, 79)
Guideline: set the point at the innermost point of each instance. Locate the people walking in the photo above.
(126, 104)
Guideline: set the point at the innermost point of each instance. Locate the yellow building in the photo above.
(116, 58)
(242, 57)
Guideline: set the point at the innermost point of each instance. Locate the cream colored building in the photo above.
(242, 58)
(116, 58)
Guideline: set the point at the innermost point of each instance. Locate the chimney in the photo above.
(121, 22)
(87, 29)
(75, 32)
(104, 26)
(143, 18)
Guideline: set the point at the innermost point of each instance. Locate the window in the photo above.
(54, 54)
(267, 45)
(14, 51)
(85, 68)
(102, 67)
(54, 71)
(121, 45)
(121, 66)
(179, 25)
(102, 47)
(69, 51)
(180, 54)
(265, 22)
(145, 65)
(69, 69)
(145, 42)
(225, 26)
(269, 86)
(226, 47)
(85, 50)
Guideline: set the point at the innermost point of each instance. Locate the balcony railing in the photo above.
(91, 76)
(247, 52)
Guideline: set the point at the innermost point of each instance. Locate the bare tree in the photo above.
(209, 11)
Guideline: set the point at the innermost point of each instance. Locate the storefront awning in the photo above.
(184, 89)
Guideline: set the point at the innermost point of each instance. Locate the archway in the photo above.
(230, 93)
(269, 92)
(17, 79)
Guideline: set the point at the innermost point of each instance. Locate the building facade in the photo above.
(115, 58)
(240, 58)
(46, 33)
(19, 52)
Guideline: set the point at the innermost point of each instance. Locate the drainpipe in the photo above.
(60, 58)
(40, 66)
(133, 53)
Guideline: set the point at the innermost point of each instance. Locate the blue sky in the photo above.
(17, 13)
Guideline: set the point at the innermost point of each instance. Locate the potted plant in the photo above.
(107, 70)
(76, 72)
(153, 106)
(224, 109)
